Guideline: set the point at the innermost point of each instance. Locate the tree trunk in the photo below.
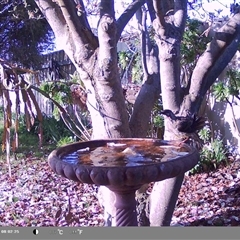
(166, 191)
(217, 55)
(95, 58)
(169, 26)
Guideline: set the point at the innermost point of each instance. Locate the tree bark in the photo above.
(169, 26)
(212, 62)
(95, 59)
(166, 191)
(150, 90)
(216, 57)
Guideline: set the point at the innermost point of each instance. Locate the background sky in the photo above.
(214, 6)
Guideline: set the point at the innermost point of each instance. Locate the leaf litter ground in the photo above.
(35, 196)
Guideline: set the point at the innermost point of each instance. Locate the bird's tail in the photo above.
(198, 123)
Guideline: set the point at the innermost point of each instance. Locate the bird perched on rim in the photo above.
(189, 125)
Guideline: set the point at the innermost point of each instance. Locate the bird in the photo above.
(187, 125)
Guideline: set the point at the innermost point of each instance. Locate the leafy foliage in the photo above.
(222, 90)
(130, 64)
(204, 134)
(65, 140)
(53, 130)
(212, 155)
(70, 110)
(156, 122)
(124, 58)
(192, 37)
(24, 33)
(58, 91)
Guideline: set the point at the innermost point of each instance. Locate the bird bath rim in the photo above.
(122, 176)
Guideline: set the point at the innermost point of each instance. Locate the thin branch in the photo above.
(85, 131)
(65, 116)
(76, 24)
(126, 70)
(151, 10)
(142, 17)
(127, 15)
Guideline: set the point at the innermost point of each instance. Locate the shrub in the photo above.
(212, 155)
(53, 130)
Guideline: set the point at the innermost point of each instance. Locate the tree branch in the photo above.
(64, 114)
(151, 10)
(221, 63)
(141, 16)
(211, 63)
(127, 15)
(168, 36)
(180, 14)
(54, 16)
(77, 25)
(70, 29)
(82, 12)
(107, 7)
(107, 34)
(162, 9)
(149, 93)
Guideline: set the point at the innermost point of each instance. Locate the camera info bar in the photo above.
(89, 233)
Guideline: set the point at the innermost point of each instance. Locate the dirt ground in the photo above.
(35, 196)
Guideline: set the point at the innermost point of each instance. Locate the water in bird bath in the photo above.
(124, 154)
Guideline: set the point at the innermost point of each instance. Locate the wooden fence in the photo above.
(56, 66)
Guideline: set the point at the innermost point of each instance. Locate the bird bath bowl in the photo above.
(123, 165)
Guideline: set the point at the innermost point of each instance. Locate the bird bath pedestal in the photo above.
(123, 165)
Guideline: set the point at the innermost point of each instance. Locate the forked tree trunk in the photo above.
(96, 60)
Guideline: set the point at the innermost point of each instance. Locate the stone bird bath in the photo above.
(123, 165)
